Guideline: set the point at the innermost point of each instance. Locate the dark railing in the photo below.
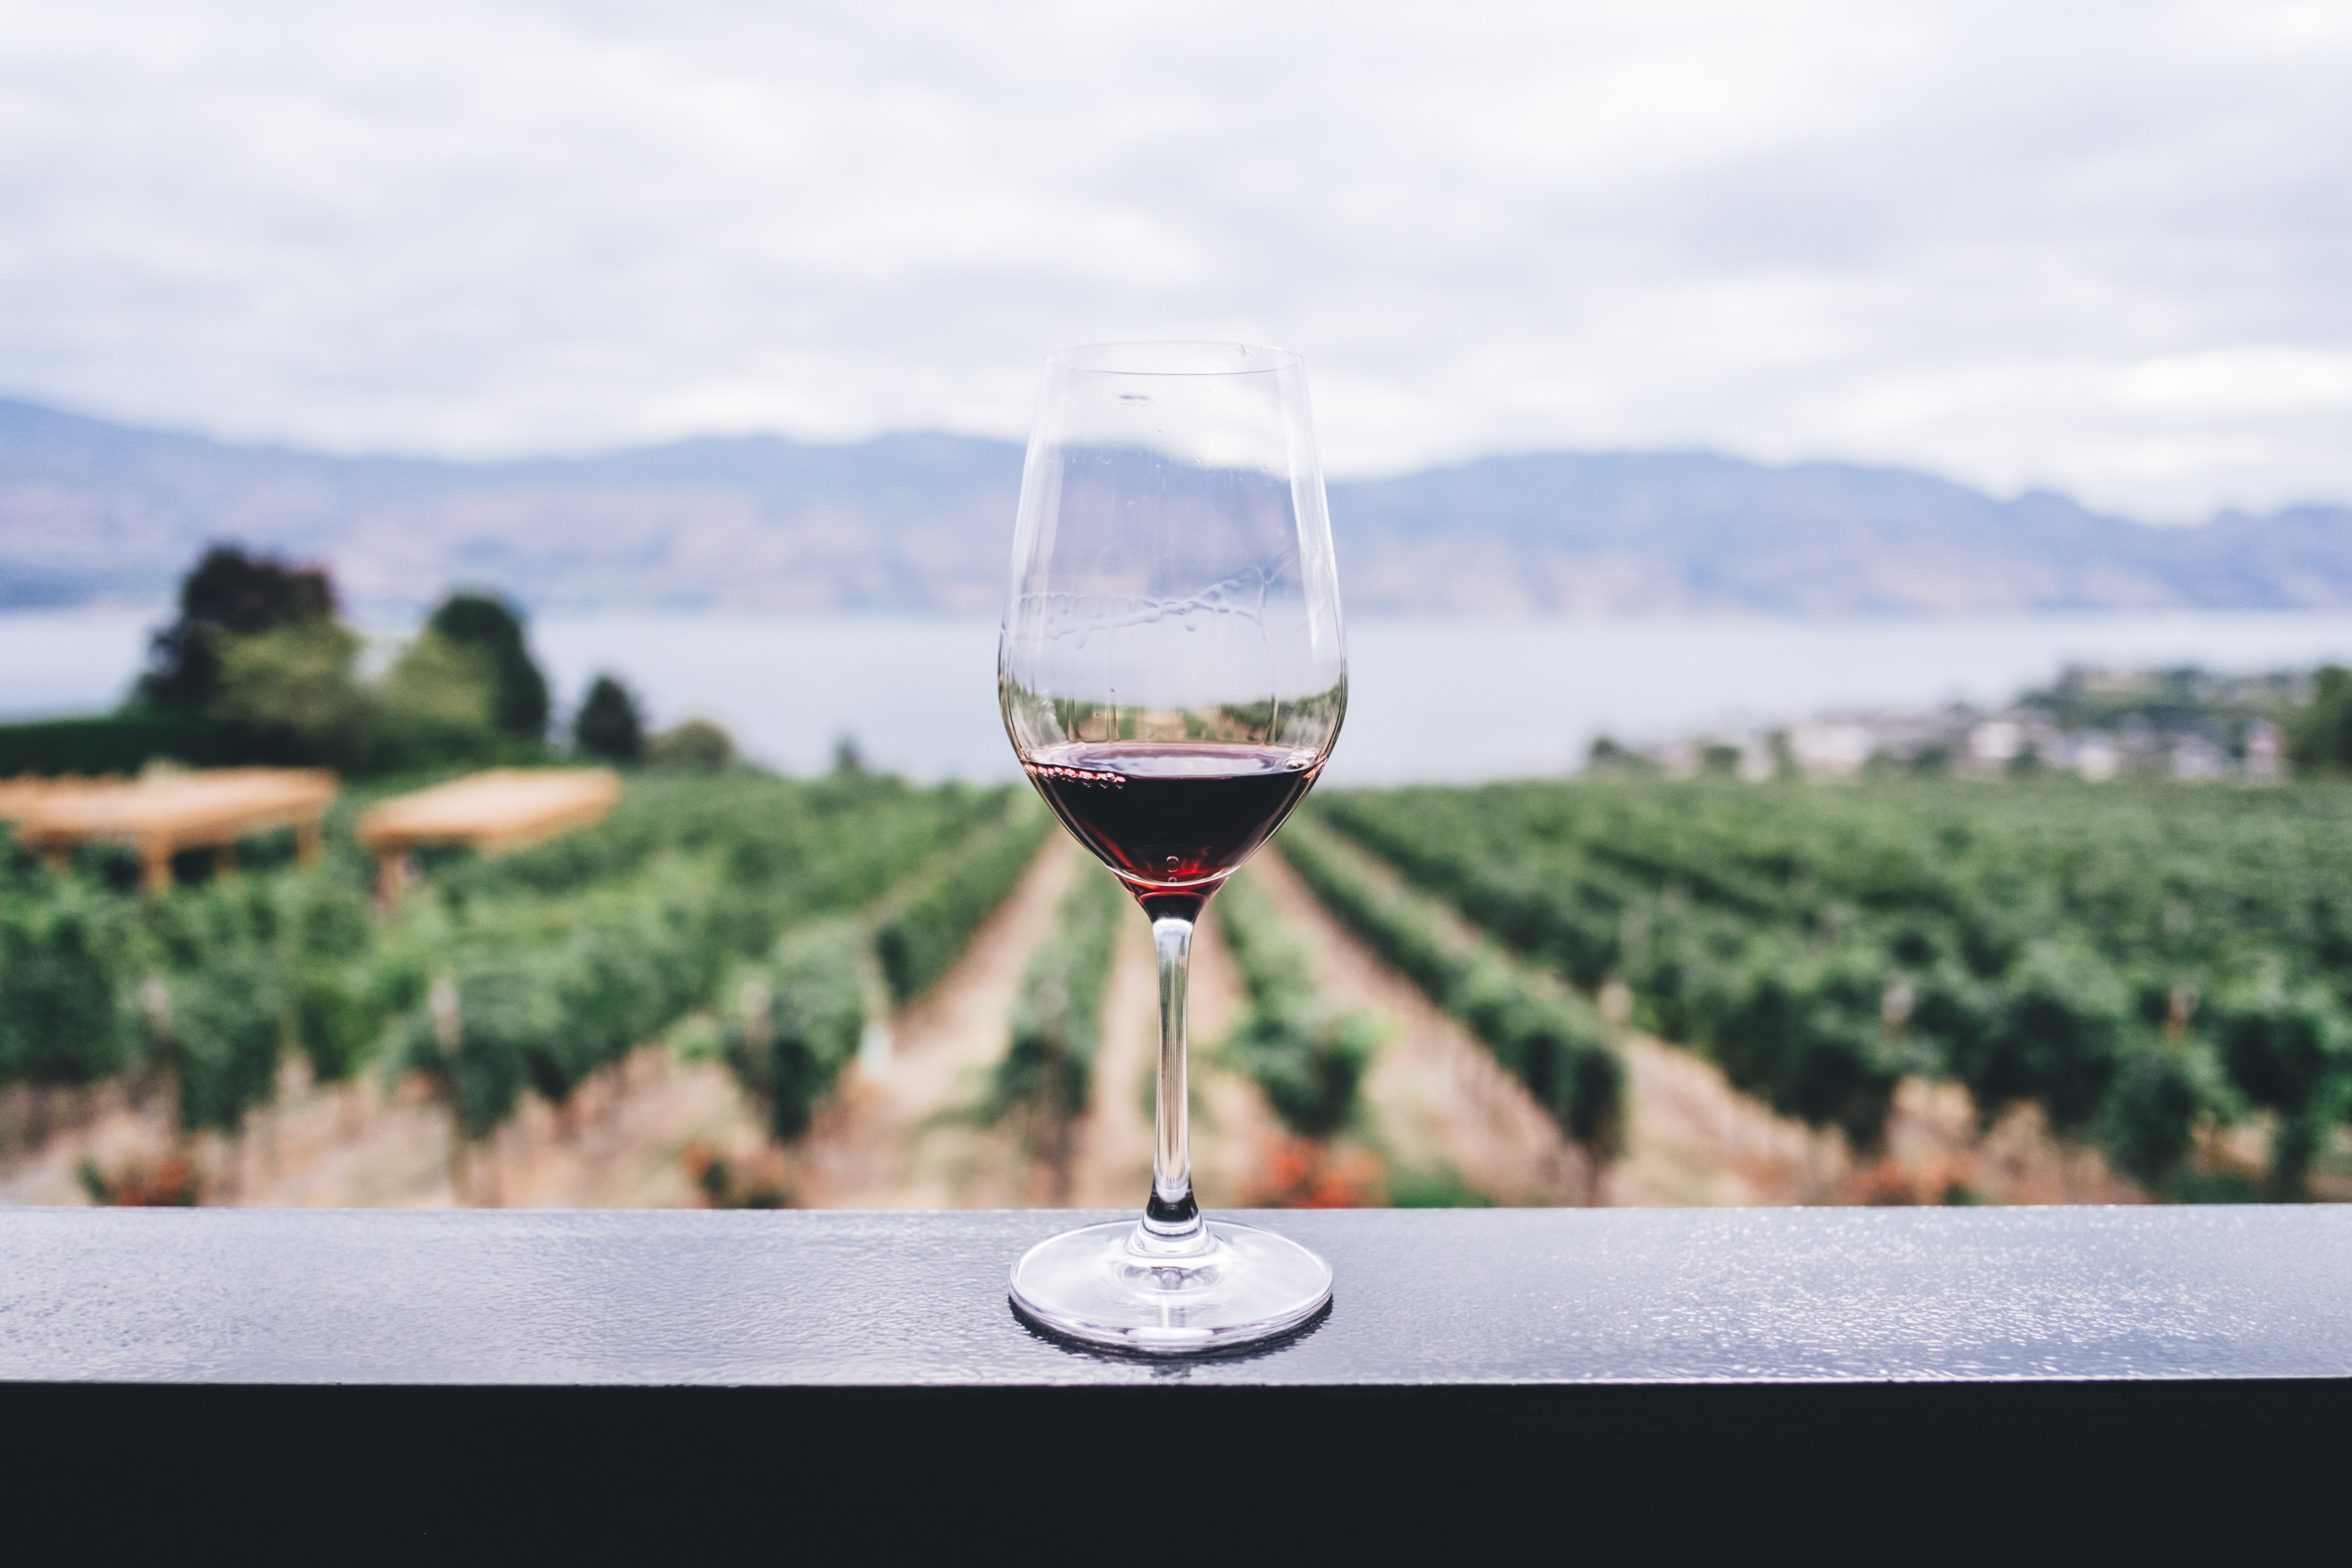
(1832, 1382)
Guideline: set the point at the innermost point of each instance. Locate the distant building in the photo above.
(2196, 758)
(1833, 748)
(2265, 751)
(2098, 725)
(1677, 759)
(2095, 756)
(1997, 742)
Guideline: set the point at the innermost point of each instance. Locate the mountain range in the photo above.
(93, 512)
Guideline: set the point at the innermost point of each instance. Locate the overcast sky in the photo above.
(2103, 248)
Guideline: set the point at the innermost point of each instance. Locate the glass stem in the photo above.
(1172, 1221)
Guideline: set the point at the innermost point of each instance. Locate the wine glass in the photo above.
(1172, 676)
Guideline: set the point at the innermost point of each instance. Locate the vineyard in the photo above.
(761, 899)
(2143, 965)
(1624, 991)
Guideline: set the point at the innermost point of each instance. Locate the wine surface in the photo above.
(1171, 815)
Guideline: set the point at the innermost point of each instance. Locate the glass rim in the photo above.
(1174, 357)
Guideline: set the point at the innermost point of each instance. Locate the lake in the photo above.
(1429, 699)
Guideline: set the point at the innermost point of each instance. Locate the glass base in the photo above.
(1116, 1286)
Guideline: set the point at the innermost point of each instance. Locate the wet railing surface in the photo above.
(1489, 1385)
(1474, 1298)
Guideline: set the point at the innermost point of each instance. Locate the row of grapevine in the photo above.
(558, 962)
(1545, 1035)
(1046, 1075)
(2140, 962)
(918, 941)
(203, 989)
(799, 1019)
(801, 1011)
(529, 972)
(1307, 1058)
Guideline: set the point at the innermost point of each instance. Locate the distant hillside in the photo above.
(905, 522)
(1571, 533)
(92, 511)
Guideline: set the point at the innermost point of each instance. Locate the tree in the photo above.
(492, 625)
(698, 743)
(294, 692)
(439, 704)
(229, 593)
(609, 723)
(1607, 758)
(2319, 737)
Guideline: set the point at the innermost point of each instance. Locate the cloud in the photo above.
(2097, 246)
(2256, 380)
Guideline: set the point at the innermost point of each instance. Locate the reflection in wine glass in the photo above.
(1173, 677)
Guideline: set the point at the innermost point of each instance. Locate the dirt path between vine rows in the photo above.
(1443, 1112)
(904, 1138)
(619, 1145)
(1443, 1109)
(1451, 1126)
(1233, 1130)
(899, 1136)
(634, 1136)
(895, 1134)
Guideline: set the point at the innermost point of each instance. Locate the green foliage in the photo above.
(1308, 1058)
(493, 626)
(2056, 1035)
(1439, 1188)
(616, 933)
(225, 1029)
(258, 669)
(217, 994)
(1550, 1038)
(919, 941)
(1607, 757)
(228, 593)
(338, 1020)
(2043, 941)
(2319, 734)
(472, 1038)
(2156, 1095)
(298, 688)
(295, 694)
(1047, 1071)
(338, 994)
(698, 744)
(62, 967)
(2174, 700)
(524, 973)
(1805, 1031)
(609, 725)
(798, 1021)
(2291, 1053)
(124, 743)
(437, 706)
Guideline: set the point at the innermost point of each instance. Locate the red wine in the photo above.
(1171, 815)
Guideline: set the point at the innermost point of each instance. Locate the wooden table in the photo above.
(162, 813)
(501, 809)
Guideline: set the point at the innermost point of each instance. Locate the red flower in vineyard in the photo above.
(1308, 1173)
